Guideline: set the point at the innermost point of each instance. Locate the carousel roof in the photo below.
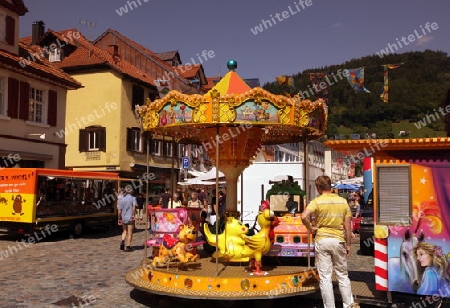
(232, 120)
(232, 103)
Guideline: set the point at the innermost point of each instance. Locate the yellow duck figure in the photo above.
(230, 243)
(235, 246)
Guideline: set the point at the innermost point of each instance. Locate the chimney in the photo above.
(38, 29)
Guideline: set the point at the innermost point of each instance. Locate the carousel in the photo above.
(231, 123)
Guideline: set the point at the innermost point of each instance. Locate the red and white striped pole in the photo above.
(381, 264)
(380, 233)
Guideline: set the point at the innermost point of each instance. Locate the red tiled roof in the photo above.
(188, 71)
(140, 48)
(88, 55)
(167, 55)
(39, 68)
(63, 37)
(211, 82)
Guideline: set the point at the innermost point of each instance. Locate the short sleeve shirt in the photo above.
(330, 211)
(126, 206)
(195, 203)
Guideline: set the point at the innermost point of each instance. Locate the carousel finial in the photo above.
(232, 65)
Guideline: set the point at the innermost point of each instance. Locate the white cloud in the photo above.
(337, 24)
(424, 40)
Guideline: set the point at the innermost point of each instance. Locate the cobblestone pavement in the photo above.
(59, 271)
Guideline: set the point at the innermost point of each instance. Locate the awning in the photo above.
(143, 168)
(26, 155)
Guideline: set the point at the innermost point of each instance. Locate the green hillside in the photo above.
(416, 89)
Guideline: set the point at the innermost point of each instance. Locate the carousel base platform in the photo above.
(205, 279)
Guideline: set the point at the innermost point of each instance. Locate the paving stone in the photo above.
(63, 272)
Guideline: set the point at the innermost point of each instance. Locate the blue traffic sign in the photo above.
(185, 162)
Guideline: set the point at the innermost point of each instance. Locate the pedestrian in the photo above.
(180, 195)
(140, 200)
(194, 201)
(218, 208)
(127, 209)
(174, 202)
(165, 198)
(222, 203)
(332, 244)
(201, 195)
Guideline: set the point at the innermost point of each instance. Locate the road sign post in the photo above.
(185, 162)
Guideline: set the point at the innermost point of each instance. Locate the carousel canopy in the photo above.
(235, 118)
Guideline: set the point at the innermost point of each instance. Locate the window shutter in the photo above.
(138, 96)
(83, 141)
(52, 108)
(10, 30)
(130, 139)
(102, 139)
(394, 194)
(13, 98)
(153, 146)
(165, 149)
(24, 100)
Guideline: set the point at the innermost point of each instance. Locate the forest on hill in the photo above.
(417, 88)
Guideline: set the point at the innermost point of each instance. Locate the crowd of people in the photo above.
(195, 198)
(131, 207)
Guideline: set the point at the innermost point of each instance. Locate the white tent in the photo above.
(204, 178)
(355, 181)
(209, 175)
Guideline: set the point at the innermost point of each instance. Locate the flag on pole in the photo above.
(355, 77)
(384, 96)
(287, 84)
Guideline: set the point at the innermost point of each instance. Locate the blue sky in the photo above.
(307, 35)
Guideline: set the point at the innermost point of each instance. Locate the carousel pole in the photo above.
(146, 197)
(306, 186)
(172, 144)
(217, 198)
(242, 197)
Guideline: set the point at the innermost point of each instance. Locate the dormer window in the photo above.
(54, 53)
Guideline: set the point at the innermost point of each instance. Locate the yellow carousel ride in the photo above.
(231, 123)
